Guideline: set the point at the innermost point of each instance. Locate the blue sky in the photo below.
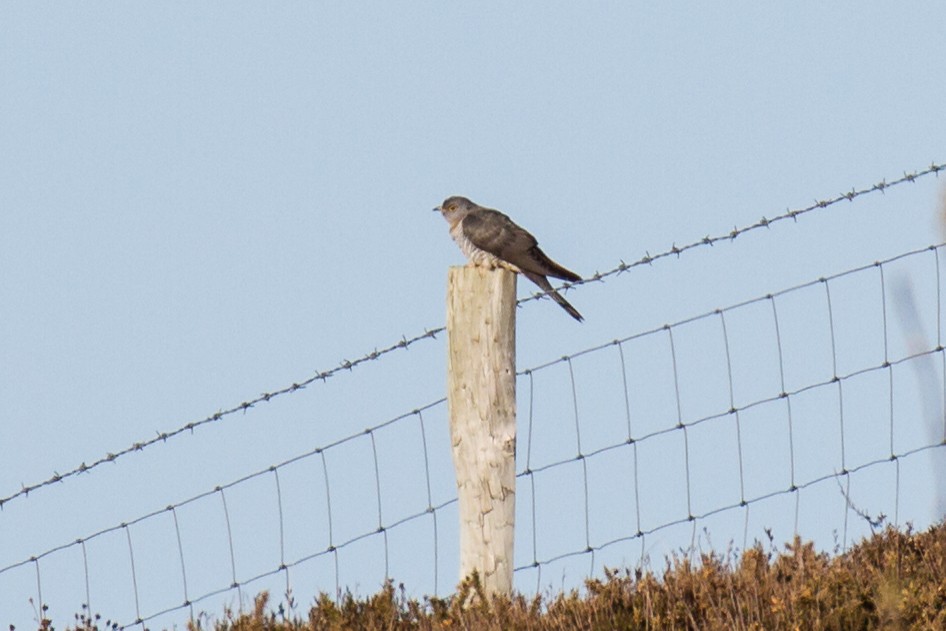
(200, 203)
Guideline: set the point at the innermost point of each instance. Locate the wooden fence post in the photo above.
(481, 399)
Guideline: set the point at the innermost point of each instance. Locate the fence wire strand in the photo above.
(405, 342)
(764, 222)
(635, 438)
(681, 424)
(532, 471)
(235, 582)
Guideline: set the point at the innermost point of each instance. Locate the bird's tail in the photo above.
(551, 267)
(546, 286)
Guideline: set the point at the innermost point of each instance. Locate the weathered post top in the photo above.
(481, 397)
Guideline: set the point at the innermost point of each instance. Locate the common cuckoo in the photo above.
(490, 239)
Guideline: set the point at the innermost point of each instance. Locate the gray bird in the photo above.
(490, 239)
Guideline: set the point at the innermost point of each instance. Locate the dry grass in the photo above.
(893, 580)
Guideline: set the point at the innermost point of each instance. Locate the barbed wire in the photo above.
(405, 342)
(764, 222)
(163, 437)
(530, 470)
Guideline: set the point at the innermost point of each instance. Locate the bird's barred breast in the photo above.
(475, 254)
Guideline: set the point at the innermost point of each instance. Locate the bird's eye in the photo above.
(452, 207)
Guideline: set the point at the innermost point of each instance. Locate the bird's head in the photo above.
(455, 208)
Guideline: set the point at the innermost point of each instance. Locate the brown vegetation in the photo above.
(893, 580)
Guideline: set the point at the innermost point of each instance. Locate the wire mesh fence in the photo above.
(766, 402)
(430, 333)
(312, 516)
(816, 410)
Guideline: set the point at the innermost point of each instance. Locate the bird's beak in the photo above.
(437, 209)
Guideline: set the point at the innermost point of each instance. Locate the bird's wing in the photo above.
(494, 232)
